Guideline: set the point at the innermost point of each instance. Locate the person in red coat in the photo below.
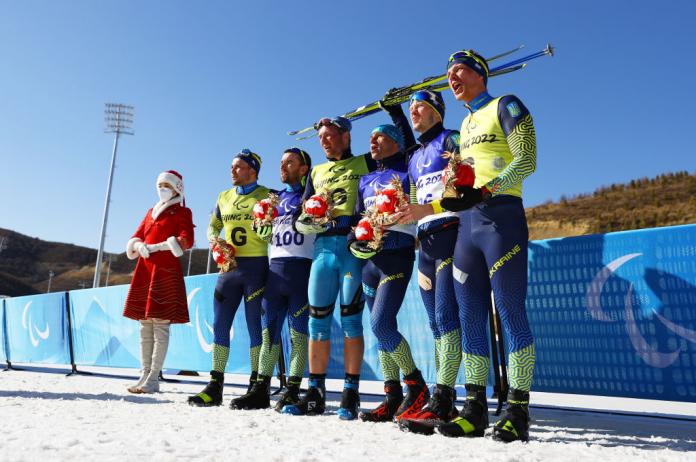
(157, 295)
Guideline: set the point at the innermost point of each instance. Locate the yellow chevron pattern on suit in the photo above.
(501, 161)
(521, 368)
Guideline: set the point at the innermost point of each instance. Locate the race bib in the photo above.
(288, 243)
(429, 188)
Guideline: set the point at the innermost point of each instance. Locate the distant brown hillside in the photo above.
(645, 203)
(25, 263)
(665, 200)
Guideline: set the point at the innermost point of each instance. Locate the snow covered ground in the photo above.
(47, 416)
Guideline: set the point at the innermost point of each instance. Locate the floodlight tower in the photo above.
(119, 120)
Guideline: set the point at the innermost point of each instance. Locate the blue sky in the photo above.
(210, 78)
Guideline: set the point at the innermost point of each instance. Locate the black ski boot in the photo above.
(312, 403)
(440, 409)
(473, 419)
(252, 380)
(514, 425)
(211, 394)
(289, 397)
(387, 409)
(417, 396)
(257, 398)
(350, 404)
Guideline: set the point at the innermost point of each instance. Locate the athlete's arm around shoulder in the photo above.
(371, 164)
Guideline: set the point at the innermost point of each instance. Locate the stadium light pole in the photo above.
(119, 120)
(50, 278)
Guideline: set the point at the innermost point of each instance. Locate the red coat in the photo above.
(157, 289)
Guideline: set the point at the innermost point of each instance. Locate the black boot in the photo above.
(416, 398)
(473, 419)
(440, 409)
(387, 409)
(350, 404)
(252, 380)
(514, 425)
(257, 398)
(212, 393)
(289, 397)
(311, 403)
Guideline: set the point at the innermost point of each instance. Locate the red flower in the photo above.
(316, 206)
(364, 230)
(464, 175)
(387, 200)
(261, 209)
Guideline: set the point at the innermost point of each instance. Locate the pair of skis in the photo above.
(435, 83)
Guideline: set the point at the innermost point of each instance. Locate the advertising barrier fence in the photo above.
(613, 315)
(37, 329)
(3, 328)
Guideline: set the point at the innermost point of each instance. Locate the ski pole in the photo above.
(498, 358)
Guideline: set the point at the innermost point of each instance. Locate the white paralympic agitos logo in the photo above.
(646, 352)
(205, 346)
(420, 165)
(27, 324)
(285, 206)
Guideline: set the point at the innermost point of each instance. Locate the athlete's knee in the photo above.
(434, 328)
(351, 319)
(447, 316)
(219, 296)
(383, 325)
(221, 336)
(320, 322)
(389, 343)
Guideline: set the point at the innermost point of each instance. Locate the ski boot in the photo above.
(514, 424)
(386, 410)
(257, 398)
(417, 396)
(312, 403)
(252, 380)
(440, 409)
(289, 397)
(350, 404)
(211, 394)
(473, 419)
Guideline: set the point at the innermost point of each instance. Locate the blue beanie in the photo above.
(251, 158)
(339, 122)
(432, 99)
(472, 60)
(392, 132)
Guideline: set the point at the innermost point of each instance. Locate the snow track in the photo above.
(45, 415)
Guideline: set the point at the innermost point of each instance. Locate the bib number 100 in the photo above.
(288, 238)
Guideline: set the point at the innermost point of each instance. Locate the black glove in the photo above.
(468, 197)
(361, 250)
(387, 96)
